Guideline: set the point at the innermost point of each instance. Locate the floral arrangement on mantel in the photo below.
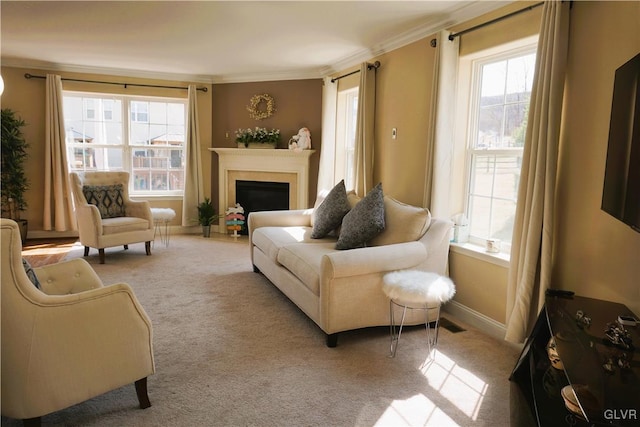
(257, 135)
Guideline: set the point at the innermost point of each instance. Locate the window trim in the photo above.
(127, 148)
(466, 102)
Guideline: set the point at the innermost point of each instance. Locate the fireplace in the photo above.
(287, 167)
(256, 196)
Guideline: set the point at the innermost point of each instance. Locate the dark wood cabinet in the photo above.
(605, 375)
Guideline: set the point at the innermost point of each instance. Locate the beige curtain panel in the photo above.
(440, 151)
(531, 251)
(326, 171)
(193, 187)
(58, 205)
(363, 152)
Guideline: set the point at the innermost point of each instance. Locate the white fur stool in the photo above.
(416, 290)
(162, 216)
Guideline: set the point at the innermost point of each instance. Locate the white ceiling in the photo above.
(218, 41)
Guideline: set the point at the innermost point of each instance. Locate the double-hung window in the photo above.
(499, 104)
(142, 135)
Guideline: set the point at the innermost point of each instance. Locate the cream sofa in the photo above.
(341, 290)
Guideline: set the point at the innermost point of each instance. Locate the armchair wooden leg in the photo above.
(147, 247)
(141, 391)
(32, 422)
(101, 254)
(86, 251)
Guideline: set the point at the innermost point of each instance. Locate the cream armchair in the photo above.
(69, 341)
(111, 220)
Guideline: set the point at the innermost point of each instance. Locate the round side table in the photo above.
(416, 290)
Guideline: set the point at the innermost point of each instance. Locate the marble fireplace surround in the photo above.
(264, 165)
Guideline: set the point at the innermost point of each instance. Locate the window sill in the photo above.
(478, 252)
(155, 197)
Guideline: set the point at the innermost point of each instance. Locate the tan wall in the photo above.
(596, 255)
(27, 98)
(298, 104)
(480, 285)
(515, 27)
(403, 101)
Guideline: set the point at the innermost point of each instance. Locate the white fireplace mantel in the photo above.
(266, 165)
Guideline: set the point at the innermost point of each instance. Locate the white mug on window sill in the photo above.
(493, 245)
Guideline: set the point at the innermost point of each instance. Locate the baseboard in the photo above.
(476, 319)
(42, 234)
(173, 229)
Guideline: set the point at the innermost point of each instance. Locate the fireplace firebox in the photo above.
(255, 196)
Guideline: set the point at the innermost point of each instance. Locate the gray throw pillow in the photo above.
(328, 216)
(364, 222)
(107, 198)
(30, 273)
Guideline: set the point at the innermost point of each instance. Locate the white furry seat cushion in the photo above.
(408, 287)
(162, 214)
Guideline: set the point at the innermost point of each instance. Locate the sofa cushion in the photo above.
(364, 221)
(124, 224)
(403, 223)
(353, 198)
(328, 215)
(107, 198)
(303, 260)
(270, 239)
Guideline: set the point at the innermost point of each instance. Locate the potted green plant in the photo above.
(13, 179)
(257, 137)
(206, 216)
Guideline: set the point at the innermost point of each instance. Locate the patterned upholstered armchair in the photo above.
(106, 216)
(70, 338)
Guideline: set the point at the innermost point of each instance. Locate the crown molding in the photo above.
(426, 29)
(315, 73)
(116, 72)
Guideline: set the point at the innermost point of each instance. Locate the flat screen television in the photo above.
(621, 190)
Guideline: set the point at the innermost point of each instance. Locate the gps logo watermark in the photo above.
(620, 414)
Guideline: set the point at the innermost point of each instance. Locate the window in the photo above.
(145, 136)
(500, 94)
(347, 114)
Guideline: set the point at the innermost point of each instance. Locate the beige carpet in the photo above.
(231, 350)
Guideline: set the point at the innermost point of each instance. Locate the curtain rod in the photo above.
(31, 76)
(493, 21)
(375, 65)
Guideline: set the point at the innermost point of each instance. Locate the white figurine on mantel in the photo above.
(301, 141)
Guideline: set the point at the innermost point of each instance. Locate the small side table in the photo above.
(161, 219)
(416, 290)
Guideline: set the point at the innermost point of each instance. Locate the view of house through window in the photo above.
(144, 136)
(501, 91)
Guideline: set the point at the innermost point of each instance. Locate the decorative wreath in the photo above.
(261, 107)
